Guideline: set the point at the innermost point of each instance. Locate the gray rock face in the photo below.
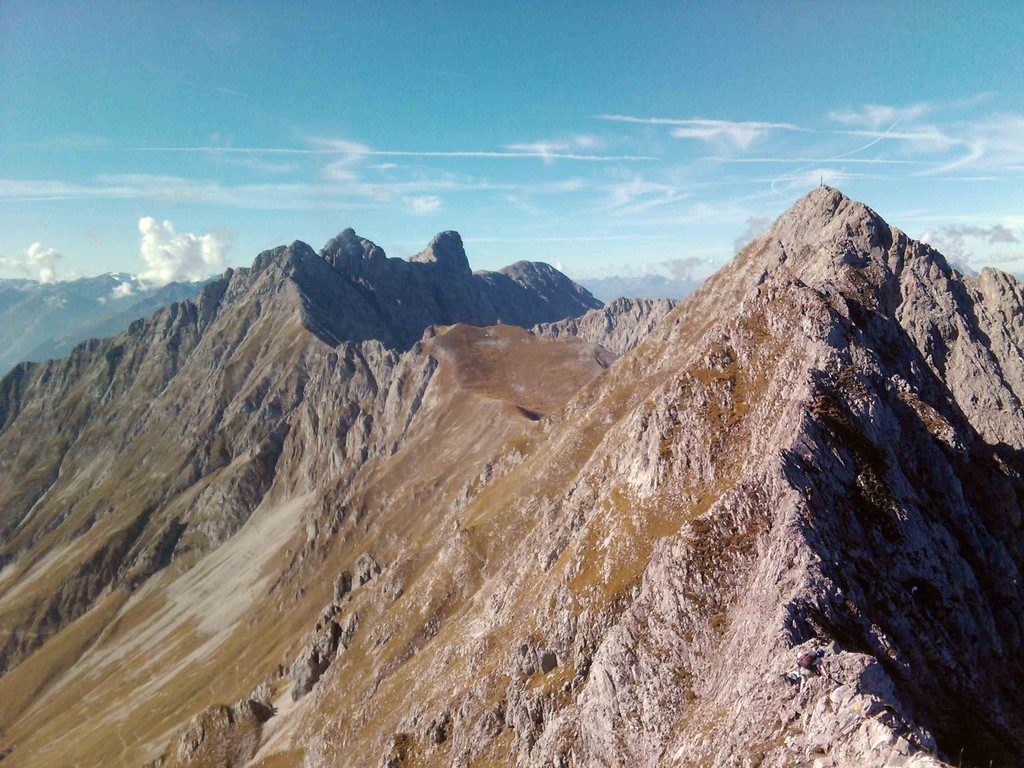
(228, 735)
(619, 326)
(366, 569)
(342, 585)
(792, 460)
(393, 300)
(531, 288)
(446, 251)
(331, 635)
(967, 330)
(850, 374)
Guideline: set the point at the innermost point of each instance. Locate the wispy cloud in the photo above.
(336, 193)
(961, 242)
(871, 118)
(685, 268)
(296, 196)
(852, 160)
(878, 115)
(803, 178)
(580, 239)
(696, 121)
(264, 166)
(927, 139)
(755, 226)
(542, 153)
(609, 179)
(520, 202)
(741, 134)
(995, 142)
(73, 141)
(1007, 260)
(421, 205)
(998, 140)
(625, 192)
(37, 262)
(551, 149)
(52, 189)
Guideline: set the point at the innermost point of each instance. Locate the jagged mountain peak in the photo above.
(823, 230)
(351, 290)
(825, 234)
(619, 326)
(347, 250)
(825, 208)
(830, 242)
(447, 250)
(829, 253)
(825, 203)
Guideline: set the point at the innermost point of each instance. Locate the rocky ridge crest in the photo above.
(206, 393)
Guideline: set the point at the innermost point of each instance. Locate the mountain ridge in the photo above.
(289, 291)
(371, 276)
(616, 566)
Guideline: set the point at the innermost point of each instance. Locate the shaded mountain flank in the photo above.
(266, 529)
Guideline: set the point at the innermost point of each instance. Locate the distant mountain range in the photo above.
(40, 321)
(644, 287)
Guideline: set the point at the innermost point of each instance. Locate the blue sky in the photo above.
(173, 138)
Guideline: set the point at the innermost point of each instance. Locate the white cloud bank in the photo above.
(38, 262)
(123, 291)
(172, 256)
(960, 243)
(421, 205)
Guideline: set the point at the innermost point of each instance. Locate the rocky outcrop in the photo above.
(333, 632)
(723, 499)
(223, 736)
(530, 289)
(366, 569)
(446, 251)
(331, 635)
(619, 326)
